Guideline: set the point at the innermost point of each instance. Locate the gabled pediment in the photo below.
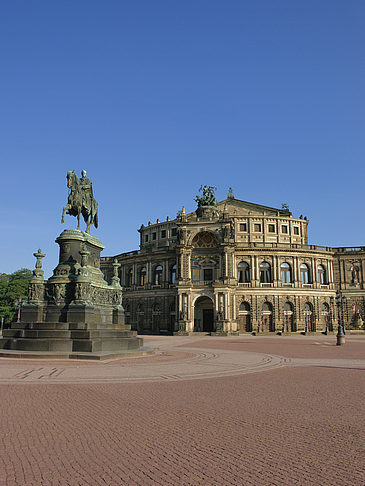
(238, 207)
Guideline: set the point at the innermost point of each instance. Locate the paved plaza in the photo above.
(281, 410)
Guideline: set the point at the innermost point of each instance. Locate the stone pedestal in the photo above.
(75, 311)
(207, 212)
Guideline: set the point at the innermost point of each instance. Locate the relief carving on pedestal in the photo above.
(36, 292)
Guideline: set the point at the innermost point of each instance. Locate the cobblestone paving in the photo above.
(285, 426)
(290, 347)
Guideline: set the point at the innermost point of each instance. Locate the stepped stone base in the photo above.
(66, 337)
(76, 313)
(59, 355)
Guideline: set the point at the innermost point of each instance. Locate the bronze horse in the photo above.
(80, 201)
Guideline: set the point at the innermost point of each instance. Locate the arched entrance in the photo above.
(326, 318)
(141, 325)
(244, 318)
(288, 317)
(203, 315)
(156, 318)
(267, 321)
(308, 317)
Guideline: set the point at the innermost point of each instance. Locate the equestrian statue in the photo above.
(81, 200)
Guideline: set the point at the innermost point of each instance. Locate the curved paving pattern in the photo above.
(153, 421)
(170, 363)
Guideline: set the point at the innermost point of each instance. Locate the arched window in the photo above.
(325, 308)
(285, 273)
(288, 307)
(265, 272)
(158, 275)
(307, 308)
(304, 274)
(322, 275)
(244, 307)
(173, 274)
(205, 239)
(266, 307)
(140, 309)
(142, 276)
(243, 272)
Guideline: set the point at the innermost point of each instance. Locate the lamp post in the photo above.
(340, 333)
(18, 305)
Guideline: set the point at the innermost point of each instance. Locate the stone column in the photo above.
(330, 274)
(252, 270)
(180, 264)
(225, 263)
(188, 263)
(314, 272)
(135, 276)
(296, 271)
(165, 267)
(257, 271)
(276, 270)
(149, 272)
(343, 277)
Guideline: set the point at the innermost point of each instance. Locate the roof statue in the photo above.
(208, 198)
(81, 200)
(230, 193)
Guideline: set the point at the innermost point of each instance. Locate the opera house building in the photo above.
(238, 267)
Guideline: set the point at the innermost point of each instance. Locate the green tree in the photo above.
(13, 286)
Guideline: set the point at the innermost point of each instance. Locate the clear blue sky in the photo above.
(155, 98)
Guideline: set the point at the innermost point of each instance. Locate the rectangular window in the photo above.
(257, 227)
(174, 232)
(243, 226)
(163, 233)
(284, 229)
(208, 274)
(146, 238)
(296, 230)
(271, 228)
(154, 235)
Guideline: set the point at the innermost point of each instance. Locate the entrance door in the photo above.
(203, 315)
(267, 323)
(245, 323)
(207, 320)
(289, 323)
